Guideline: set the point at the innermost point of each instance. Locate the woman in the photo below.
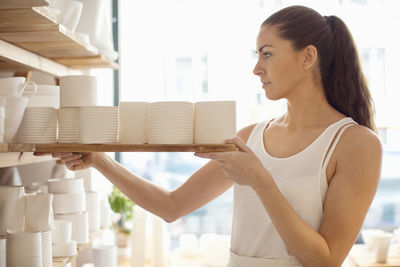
(304, 181)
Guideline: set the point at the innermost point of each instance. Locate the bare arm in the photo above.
(351, 190)
(348, 198)
(204, 185)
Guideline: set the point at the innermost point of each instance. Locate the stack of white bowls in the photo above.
(63, 246)
(170, 122)
(132, 122)
(15, 107)
(47, 252)
(12, 209)
(46, 96)
(12, 89)
(80, 120)
(105, 256)
(98, 125)
(39, 217)
(215, 121)
(68, 125)
(24, 249)
(70, 204)
(39, 125)
(92, 206)
(78, 91)
(2, 251)
(215, 249)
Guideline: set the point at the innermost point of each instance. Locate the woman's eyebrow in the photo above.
(262, 47)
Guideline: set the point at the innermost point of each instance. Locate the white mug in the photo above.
(15, 86)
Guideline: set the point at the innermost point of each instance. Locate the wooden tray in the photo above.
(120, 148)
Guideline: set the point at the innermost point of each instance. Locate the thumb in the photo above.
(239, 144)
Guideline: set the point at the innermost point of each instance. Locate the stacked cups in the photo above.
(63, 246)
(39, 125)
(78, 91)
(70, 204)
(39, 217)
(24, 249)
(80, 119)
(215, 121)
(132, 122)
(170, 123)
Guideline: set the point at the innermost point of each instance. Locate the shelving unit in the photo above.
(116, 148)
(12, 4)
(31, 39)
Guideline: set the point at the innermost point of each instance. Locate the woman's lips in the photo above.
(265, 84)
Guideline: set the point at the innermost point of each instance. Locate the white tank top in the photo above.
(302, 180)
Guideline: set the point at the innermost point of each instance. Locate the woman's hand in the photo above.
(243, 166)
(74, 160)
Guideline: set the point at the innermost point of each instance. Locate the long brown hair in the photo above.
(344, 83)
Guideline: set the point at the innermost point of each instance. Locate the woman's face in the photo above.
(279, 66)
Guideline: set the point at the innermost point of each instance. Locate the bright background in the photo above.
(196, 50)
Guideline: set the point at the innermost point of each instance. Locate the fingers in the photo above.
(61, 154)
(73, 164)
(239, 143)
(41, 153)
(71, 158)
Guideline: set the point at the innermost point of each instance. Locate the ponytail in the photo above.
(344, 84)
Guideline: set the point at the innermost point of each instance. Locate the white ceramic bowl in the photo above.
(15, 108)
(11, 86)
(367, 235)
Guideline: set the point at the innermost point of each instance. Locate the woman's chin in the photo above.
(272, 96)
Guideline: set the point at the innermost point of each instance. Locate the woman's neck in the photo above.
(309, 109)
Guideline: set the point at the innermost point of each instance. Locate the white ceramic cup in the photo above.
(380, 246)
(15, 86)
(132, 122)
(105, 256)
(70, 12)
(15, 108)
(62, 231)
(188, 244)
(367, 235)
(215, 121)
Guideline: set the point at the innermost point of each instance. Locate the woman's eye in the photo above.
(267, 54)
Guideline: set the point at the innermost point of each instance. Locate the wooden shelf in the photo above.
(18, 158)
(36, 31)
(13, 58)
(116, 148)
(10, 4)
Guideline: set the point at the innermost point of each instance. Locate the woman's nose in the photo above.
(257, 70)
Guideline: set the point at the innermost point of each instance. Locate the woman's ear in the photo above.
(310, 57)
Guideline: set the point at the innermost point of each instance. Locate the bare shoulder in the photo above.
(245, 132)
(359, 151)
(360, 139)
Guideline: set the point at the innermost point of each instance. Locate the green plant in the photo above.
(121, 205)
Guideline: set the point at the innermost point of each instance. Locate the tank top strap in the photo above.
(257, 131)
(334, 138)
